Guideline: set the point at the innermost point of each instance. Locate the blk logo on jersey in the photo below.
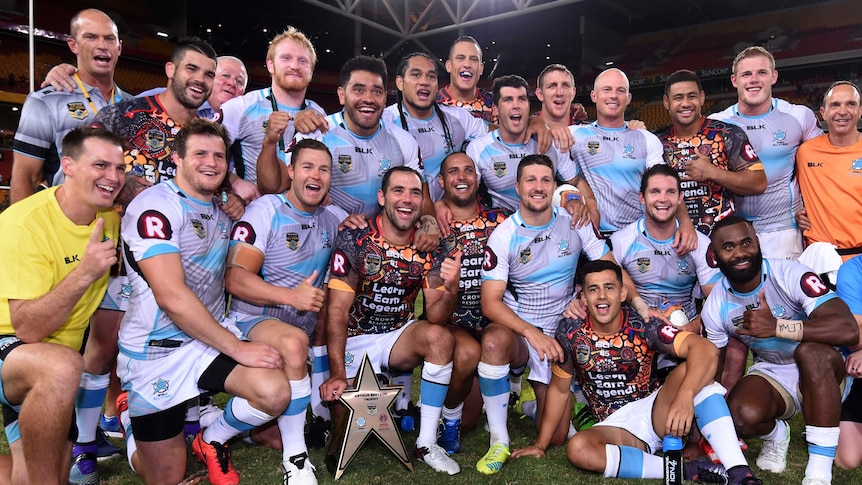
(153, 224)
(812, 285)
(243, 232)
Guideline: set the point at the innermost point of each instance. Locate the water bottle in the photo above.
(672, 447)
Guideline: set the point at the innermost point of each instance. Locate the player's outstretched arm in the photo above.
(337, 309)
(555, 406)
(701, 358)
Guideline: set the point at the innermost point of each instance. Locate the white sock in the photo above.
(131, 445)
(495, 394)
(822, 443)
(290, 423)
(454, 413)
(88, 404)
(238, 416)
(319, 373)
(433, 388)
(778, 433)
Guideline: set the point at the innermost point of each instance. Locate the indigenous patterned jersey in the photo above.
(437, 137)
(613, 161)
(294, 244)
(497, 165)
(165, 220)
(246, 117)
(49, 115)
(617, 369)
(150, 133)
(775, 136)
(480, 107)
(470, 237)
(539, 264)
(793, 291)
(386, 278)
(658, 273)
(727, 146)
(359, 162)
(830, 178)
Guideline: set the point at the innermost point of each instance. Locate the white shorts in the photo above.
(783, 244)
(540, 371)
(636, 418)
(118, 294)
(160, 384)
(378, 346)
(785, 379)
(246, 322)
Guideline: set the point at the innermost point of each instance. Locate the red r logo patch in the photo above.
(340, 266)
(490, 260)
(812, 285)
(243, 232)
(666, 333)
(153, 224)
(748, 152)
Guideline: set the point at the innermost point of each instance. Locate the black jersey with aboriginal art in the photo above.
(470, 236)
(150, 133)
(385, 277)
(727, 147)
(617, 369)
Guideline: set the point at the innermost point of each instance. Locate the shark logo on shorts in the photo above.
(348, 358)
(126, 291)
(161, 386)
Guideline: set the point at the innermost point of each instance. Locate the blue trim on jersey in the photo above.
(494, 387)
(711, 409)
(158, 250)
(513, 145)
(642, 228)
(520, 221)
(297, 405)
(772, 106)
(828, 451)
(631, 462)
(595, 124)
(176, 188)
(339, 117)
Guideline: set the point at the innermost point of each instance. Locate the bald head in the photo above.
(615, 74)
(90, 15)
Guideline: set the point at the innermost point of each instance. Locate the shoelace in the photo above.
(223, 457)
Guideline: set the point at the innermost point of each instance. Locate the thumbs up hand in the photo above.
(759, 323)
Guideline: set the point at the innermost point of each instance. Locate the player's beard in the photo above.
(740, 277)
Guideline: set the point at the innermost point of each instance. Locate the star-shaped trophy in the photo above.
(369, 414)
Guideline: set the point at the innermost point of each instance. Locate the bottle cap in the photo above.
(671, 443)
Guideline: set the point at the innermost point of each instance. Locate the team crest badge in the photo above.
(348, 358)
(563, 247)
(526, 256)
(644, 264)
(78, 110)
(857, 164)
(161, 386)
(155, 140)
(200, 230)
(372, 409)
(292, 240)
(629, 151)
(385, 164)
(345, 163)
(372, 264)
(779, 137)
(327, 239)
(360, 423)
(683, 267)
(582, 353)
(778, 311)
(264, 126)
(592, 147)
(500, 169)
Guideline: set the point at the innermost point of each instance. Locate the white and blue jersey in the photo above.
(657, 271)
(359, 162)
(775, 136)
(294, 245)
(497, 165)
(245, 118)
(613, 160)
(792, 290)
(539, 264)
(165, 220)
(437, 140)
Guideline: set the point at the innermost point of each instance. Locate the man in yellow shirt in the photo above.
(57, 248)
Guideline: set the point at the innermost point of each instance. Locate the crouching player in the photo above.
(612, 352)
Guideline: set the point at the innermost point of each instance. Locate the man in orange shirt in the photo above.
(829, 168)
